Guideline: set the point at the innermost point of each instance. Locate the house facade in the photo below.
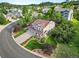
(40, 28)
(45, 9)
(14, 13)
(66, 13)
(35, 14)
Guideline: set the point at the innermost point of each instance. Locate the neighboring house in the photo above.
(14, 13)
(45, 9)
(38, 8)
(66, 13)
(35, 14)
(41, 27)
(9, 16)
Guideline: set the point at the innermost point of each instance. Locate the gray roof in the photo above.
(59, 8)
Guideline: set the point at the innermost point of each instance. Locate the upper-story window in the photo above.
(45, 31)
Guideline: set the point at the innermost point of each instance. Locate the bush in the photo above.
(64, 32)
(51, 41)
(65, 51)
(2, 19)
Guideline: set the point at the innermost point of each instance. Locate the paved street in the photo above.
(3, 26)
(9, 49)
(22, 38)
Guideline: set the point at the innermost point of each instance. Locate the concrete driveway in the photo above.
(22, 38)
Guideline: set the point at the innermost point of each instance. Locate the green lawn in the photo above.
(6, 22)
(75, 40)
(20, 32)
(33, 44)
(51, 41)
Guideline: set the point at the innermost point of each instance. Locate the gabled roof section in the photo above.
(40, 23)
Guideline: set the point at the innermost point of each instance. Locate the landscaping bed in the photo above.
(33, 44)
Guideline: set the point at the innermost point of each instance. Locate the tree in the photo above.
(25, 10)
(65, 51)
(76, 14)
(67, 5)
(64, 32)
(17, 28)
(50, 13)
(27, 19)
(57, 17)
(2, 19)
(75, 40)
(3, 10)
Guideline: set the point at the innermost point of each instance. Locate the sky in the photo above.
(26, 2)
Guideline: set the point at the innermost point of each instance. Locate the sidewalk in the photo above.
(22, 38)
(3, 26)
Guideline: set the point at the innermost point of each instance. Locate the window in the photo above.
(45, 31)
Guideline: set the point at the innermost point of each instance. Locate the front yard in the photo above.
(51, 41)
(34, 44)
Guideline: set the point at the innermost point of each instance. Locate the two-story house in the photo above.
(14, 13)
(45, 9)
(41, 27)
(66, 13)
(35, 14)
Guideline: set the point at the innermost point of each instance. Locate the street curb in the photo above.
(29, 50)
(8, 25)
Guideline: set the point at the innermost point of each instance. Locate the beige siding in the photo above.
(50, 26)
